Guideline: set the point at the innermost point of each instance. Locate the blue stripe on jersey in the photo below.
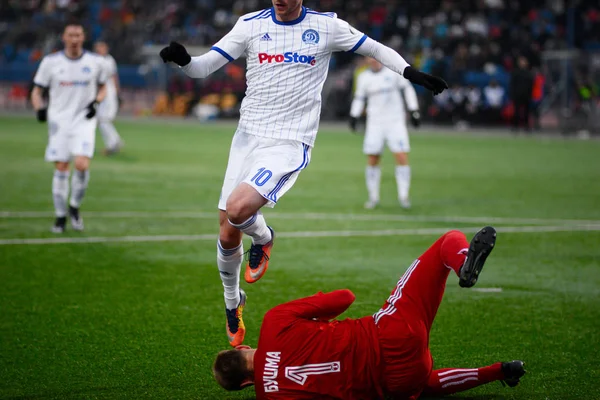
(267, 15)
(273, 194)
(357, 45)
(222, 52)
(294, 22)
(327, 14)
(258, 15)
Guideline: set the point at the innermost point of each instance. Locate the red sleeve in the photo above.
(320, 306)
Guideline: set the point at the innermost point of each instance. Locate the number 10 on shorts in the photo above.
(262, 176)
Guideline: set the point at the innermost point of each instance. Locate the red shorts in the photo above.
(405, 355)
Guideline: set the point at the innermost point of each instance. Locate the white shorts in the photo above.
(107, 110)
(77, 140)
(271, 166)
(394, 133)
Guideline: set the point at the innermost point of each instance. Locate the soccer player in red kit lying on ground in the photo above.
(303, 354)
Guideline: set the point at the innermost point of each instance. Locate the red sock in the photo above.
(451, 380)
(454, 250)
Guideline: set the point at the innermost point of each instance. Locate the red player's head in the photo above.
(287, 9)
(234, 369)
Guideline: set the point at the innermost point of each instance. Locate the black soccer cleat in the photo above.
(59, 225)
(76, 220)
(513, 371)
(480, 248)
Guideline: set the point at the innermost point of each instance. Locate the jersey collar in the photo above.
(73, 59)
(294, 22)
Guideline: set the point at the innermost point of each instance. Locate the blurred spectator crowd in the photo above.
(473, 44)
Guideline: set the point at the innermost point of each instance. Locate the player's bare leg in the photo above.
(60, 195)
(403, 178)
(79, 184)
(243, 211)
(444, 382)
(373, 180)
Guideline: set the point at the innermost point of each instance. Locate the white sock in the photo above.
(373, 178)
(255, 227)
(60, 192)
(79, 183)
(403, 181)
(229, 262)
(109, 134)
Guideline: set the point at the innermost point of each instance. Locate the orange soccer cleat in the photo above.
(258, 260)
(236, 330)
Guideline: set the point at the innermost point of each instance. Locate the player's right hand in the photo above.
(415, 118)
(176, 53)
(353, 122)
(429, 82)
(42, 114)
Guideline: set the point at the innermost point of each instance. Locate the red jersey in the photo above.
(303, 355)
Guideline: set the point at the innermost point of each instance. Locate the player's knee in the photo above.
(237, 211)
(82, 163)
(61, 166)
(454, 233)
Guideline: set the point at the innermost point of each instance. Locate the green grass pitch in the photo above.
(119, 318)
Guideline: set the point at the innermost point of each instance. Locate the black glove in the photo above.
(91, 109)
(42, 115)
(429, 82)
(176, 53)
(353, 122)
(415, 118)
(120, 101)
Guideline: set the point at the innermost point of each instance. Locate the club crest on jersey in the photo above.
(286, 58)
(86, 70)
(310, 36)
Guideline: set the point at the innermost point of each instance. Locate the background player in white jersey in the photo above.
(76, 82)
(381, 88)
(107, 110)
(287, 49)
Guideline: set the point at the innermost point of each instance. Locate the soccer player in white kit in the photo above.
(381, 88)
(287, 49)
(107, 110)
(76, 82)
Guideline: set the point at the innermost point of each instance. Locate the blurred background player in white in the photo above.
(287, 49)
(76, 82)
(383, 90)
(107, 110)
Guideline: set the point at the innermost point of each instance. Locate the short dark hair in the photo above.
(230, 370)
(72, 22)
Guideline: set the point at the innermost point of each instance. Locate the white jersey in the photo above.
(73, 85)
(382, 92)
(111, 72)
(287, 64)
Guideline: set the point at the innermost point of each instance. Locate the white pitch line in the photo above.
(488, 290)
(304, 234)
(305, 216)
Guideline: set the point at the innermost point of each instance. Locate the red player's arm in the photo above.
(323, 306)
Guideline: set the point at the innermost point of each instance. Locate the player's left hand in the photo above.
(415, 118)
(120, 101)
(353, 121)
(91, 109)
(429, 82)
